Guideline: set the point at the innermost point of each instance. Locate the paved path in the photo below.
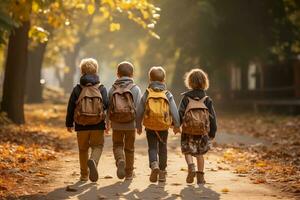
(66, 172)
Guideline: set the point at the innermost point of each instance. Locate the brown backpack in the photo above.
(122, 109)
(89, 106)
(196, 117)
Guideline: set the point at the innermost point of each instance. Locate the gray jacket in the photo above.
(173, 108)
(136, 92)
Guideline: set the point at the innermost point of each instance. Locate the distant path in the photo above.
(66, 172)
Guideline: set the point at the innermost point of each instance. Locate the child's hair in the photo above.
(88, 66)
(157, 73)
(196, 79)
(125, 69)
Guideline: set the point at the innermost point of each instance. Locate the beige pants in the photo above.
(87, 139)
(123, 141)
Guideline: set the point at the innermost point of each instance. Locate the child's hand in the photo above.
(139, 131)
(70, 129)
(107, 128)
(176, 130)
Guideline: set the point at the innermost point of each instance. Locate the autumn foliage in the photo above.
(24, 149)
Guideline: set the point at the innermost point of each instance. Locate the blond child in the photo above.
(197, 127)
(89, 123)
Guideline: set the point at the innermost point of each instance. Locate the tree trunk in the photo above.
(34, 88)
(70, 61)
(70, 57)
(297, 79)
(15, 68)
(183, 64)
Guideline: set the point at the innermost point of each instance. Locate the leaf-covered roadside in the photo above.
(25, 149)
(278, 160)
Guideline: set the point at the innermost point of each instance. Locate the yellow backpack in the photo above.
(157, 112)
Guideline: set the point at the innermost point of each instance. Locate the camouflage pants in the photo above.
(194, 144)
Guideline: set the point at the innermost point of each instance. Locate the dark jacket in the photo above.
(209, 104)
(84, 80)
(156, 85)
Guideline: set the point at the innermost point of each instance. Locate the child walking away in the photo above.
(86, 107)
(198, 121)
(124, 97)
(157, 110)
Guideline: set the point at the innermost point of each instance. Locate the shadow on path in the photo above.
(61, 193)
(121, 190)
(201, 192)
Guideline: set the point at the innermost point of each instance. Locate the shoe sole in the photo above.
(190, 177)
(201, 184)
(162, 180)
(121, 170)
(153, 175)
(128, 178)
(93, 176)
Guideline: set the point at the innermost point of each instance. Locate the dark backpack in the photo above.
(196, 117)
(89, 108)
(122, 109)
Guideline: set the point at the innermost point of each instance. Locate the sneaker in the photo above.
(191, 173)
(121, 173)
(154, 172)
(162, 176)
(93, 176)
(129, 176)
(200, 178)
(84, 178)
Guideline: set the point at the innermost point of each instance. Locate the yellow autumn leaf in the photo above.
(225, 190)
(80, 6)
(35, 7)
(105, 12)
(156, 16)
(153, 34)
(91, 9)
(109, 2)
(126, 5)
(21, 148)
(145, 14)
(261, 164)
(114, 27)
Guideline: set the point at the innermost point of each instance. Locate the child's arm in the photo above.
(137, 95)
(70, 111)
(212, 119)
(182, 106)
(174, 111)
(108, 125)
(140, 113)
(105, 99)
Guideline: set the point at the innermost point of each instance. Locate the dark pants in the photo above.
(157, 147)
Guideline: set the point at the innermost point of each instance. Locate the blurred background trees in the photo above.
(36, 22)
(249, 48)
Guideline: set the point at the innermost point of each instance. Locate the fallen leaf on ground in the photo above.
(225, 190)
(176, 184)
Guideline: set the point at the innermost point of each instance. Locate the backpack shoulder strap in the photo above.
(98, 85)
(203, 99)
(130, 86)
(193, 103)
